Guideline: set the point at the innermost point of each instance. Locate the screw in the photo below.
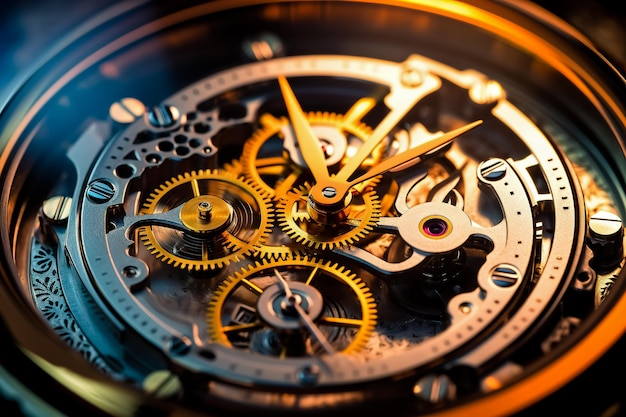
(162, 384)
(466, 308)
(486, 92)
(127, 110)
(179, 346)
(604, 224)
(163, 116)
(263, 46)
(57, 209)
(130, 271)
(308, 375)
(412, 74)
(204, 210)
(435, 388)
(100, 191)
(505, 275)
(329, 192)
(606, 240)
(493, 169)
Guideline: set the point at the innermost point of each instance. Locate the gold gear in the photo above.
(365, 210)
(224, 218)
(277, 168)
(239, 294)
(234, 167)
(268, 251)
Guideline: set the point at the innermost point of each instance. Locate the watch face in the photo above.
(315, 207)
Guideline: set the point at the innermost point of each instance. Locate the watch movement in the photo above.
(315, 207)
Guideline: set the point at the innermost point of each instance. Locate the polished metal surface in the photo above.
(314, 207)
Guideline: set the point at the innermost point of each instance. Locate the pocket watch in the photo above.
(315, 207)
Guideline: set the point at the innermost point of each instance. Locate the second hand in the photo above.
(293, 301)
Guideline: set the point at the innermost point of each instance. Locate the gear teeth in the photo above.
(291, 223)
(252, 146)
(271, 126)
(244, 275)
(232, 245)
(236, 250)
(234, 167)
(276, 253)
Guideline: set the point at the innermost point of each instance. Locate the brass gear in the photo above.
(274, 172)
(272, 248)
(235, 312)
(267, 251)
(239, 220)
(365, 210)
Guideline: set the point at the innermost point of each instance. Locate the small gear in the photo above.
(266, 163)
(246, 310)
(279, 251)
(234, 167)
(275, 247)
(364, 212)
(223, 219)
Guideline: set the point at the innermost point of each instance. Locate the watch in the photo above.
(315, 207)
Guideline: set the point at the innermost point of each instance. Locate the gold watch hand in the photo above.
(413, 153)
(334, 190)
(310, 146)
(401, 99)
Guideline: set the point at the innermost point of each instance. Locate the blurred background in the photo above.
(29, 28)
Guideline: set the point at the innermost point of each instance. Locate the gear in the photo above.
(275, 246)
(279, 251)
(364, 212)
(223, 219)
(245, 310)
(266, 163)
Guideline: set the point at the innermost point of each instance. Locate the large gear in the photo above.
(238, 221)
(296, 222)
(274, 170)
(245, 310)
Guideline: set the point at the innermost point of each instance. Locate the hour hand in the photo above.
(308, 142)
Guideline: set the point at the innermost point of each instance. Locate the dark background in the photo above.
(29, 28)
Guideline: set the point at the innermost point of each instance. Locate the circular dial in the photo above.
(305, 215)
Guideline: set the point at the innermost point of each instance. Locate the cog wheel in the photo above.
(247, 310)
(275, 247)
(365, 210)
(267, 164)
(279, 251)
(234, 167)
(223, 219)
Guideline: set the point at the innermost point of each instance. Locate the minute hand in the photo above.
(401, 100)
(307, 141)
(413, 153)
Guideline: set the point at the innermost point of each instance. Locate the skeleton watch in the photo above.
(317, 207)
